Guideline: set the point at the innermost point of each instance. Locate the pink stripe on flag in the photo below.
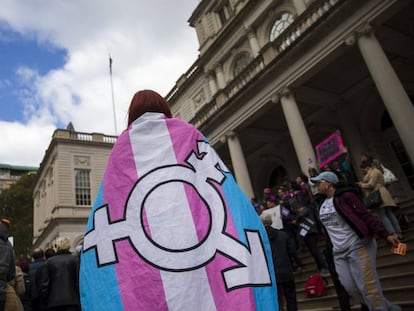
(121, 168)
(129, 270)
(233, 300)
(134, 284)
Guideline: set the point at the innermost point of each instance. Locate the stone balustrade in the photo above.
(90, 137)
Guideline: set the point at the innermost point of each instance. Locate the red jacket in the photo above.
(355, 213)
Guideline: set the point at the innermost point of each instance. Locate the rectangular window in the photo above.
(224, 13)
(82, 187)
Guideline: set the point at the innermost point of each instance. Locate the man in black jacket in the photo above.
(60, 278)
(7, 265)
(282, 248)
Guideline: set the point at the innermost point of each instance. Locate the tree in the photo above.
(16, 204)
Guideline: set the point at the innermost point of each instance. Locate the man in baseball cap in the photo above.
(326, 176)
(352, 229)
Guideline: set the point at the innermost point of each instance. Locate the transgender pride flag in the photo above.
(171, 230)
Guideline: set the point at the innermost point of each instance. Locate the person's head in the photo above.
(336, 164)
(24, 265)
(312, 171)
(302, 178)
(49, 252)
(37, 253)
(327, 168)
(5, 222)
(367, 157)
(147, 101)
(267, 191)
(365, 166)
(326, 182)
(271, 201)
(282, 191)
(62, 243)
(4, 231)
(266, 220)
(294, 185)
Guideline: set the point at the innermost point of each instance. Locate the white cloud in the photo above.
(151, 45)
(25, 144)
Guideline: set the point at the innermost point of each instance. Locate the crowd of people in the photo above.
(297, 215)
(50, 281)
(329, 206)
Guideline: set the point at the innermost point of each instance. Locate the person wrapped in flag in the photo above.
(170, 228)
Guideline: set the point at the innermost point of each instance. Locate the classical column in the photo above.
(297, 130)
(239, 164)
(220, 77)
(299, 5)
(254, 45)
(389, 87)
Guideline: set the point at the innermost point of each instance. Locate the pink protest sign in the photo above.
(329, 149)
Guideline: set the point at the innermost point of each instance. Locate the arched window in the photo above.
(280, 25)
(241, 62)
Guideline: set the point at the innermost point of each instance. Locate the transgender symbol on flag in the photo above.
(250, 259)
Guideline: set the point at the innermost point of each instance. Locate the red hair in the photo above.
(147, 101)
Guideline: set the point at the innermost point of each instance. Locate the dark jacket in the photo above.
(306, 221)
(354, 212)
(60, 280)
(7, 266)
(39, 302)
(35, 265)
(282, 247)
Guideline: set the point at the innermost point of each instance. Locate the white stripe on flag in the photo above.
(170, 215)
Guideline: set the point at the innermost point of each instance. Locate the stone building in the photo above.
(67, 183)
(10, 174)
(274, 79)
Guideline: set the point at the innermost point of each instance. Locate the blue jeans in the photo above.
(388, 219)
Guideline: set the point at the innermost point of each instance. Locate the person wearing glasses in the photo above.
(351, 229)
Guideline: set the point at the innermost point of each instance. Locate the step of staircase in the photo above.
(396, 274)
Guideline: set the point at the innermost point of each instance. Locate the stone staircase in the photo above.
(396, 273)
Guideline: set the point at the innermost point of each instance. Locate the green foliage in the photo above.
(16, 204)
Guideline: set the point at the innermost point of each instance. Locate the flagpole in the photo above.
(112, 92)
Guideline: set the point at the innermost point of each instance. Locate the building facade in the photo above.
(67, 183)
(10, 174)
(274, 79)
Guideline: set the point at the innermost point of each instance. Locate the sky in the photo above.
(54, 65)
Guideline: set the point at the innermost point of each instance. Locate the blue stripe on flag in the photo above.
(245, 217)
(105, 295)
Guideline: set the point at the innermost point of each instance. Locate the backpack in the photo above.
(316, 286)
